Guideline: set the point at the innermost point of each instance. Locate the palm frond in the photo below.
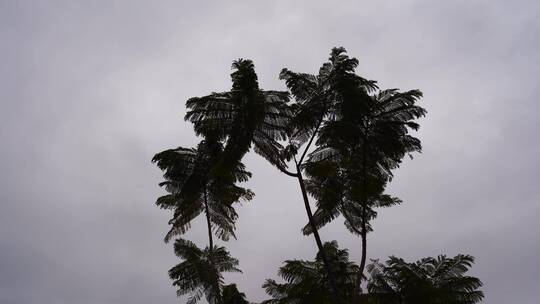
(201, 271)
(307, 282)
(429, 280)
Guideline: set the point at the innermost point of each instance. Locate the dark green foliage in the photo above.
(346, 137)
(189, 181)
(438, 280)
(375, 127)
(244, 116)
(361, 136)
(194, 189)
(231, 295)
(316, 95)
(200, 273)
(307, 281)
(341, 190)
(318, 100)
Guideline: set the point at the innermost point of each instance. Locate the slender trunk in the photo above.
(364, 216)
(364, 253)
(326, 262)
(298, 175)
(211, 244)
(363, 232)
(210, 237)
(359, 275)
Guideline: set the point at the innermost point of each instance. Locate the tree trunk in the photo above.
(206, 210)
(298, 175)
(363, 236)
(211, 245)
(363, 259)
(363, 233)
(326, 262)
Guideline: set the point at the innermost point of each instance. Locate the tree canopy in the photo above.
(342, 138)
(306, 281)
(427, 281)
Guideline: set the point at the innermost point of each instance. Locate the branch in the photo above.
(310, 141)
(287, 172)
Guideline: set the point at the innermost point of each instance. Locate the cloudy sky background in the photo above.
(90, 90)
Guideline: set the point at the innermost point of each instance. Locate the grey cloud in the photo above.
(91, 90)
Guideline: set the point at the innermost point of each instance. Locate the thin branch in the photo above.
(310, 141)
(287, 172)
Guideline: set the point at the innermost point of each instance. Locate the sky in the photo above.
(91, 90)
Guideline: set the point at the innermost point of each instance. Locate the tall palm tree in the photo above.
(315, 99)
(307, 281)
(243, 116)
(360, 138)
(203, 179)
(366, 139)
(440, 280)
(194, 189)
(200, 273)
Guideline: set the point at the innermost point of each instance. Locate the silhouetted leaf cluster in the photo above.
(343, 137)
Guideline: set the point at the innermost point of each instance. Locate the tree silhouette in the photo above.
(361, 140)
(438, 280)
(203, 180)
(307, 281)
(200, 273)
(344, 138)
(231, 295)
(315, 99)
(194, 189)
(244, 116)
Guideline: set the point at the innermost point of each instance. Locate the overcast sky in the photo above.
(91, 90)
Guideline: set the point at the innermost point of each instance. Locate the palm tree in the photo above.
(365, 140)
(361, 138)
(200, 273)
(316, 97)
(307, 281)
(193, 189)
(244, 116)
(203, 179)
(438, 280)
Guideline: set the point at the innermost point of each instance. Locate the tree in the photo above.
(315, 99)
(342, 189)
(194, 189)
(244, 116)
(438, 280)
(362, 140)
(200, 273)
(345, 137)
(307, 281)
